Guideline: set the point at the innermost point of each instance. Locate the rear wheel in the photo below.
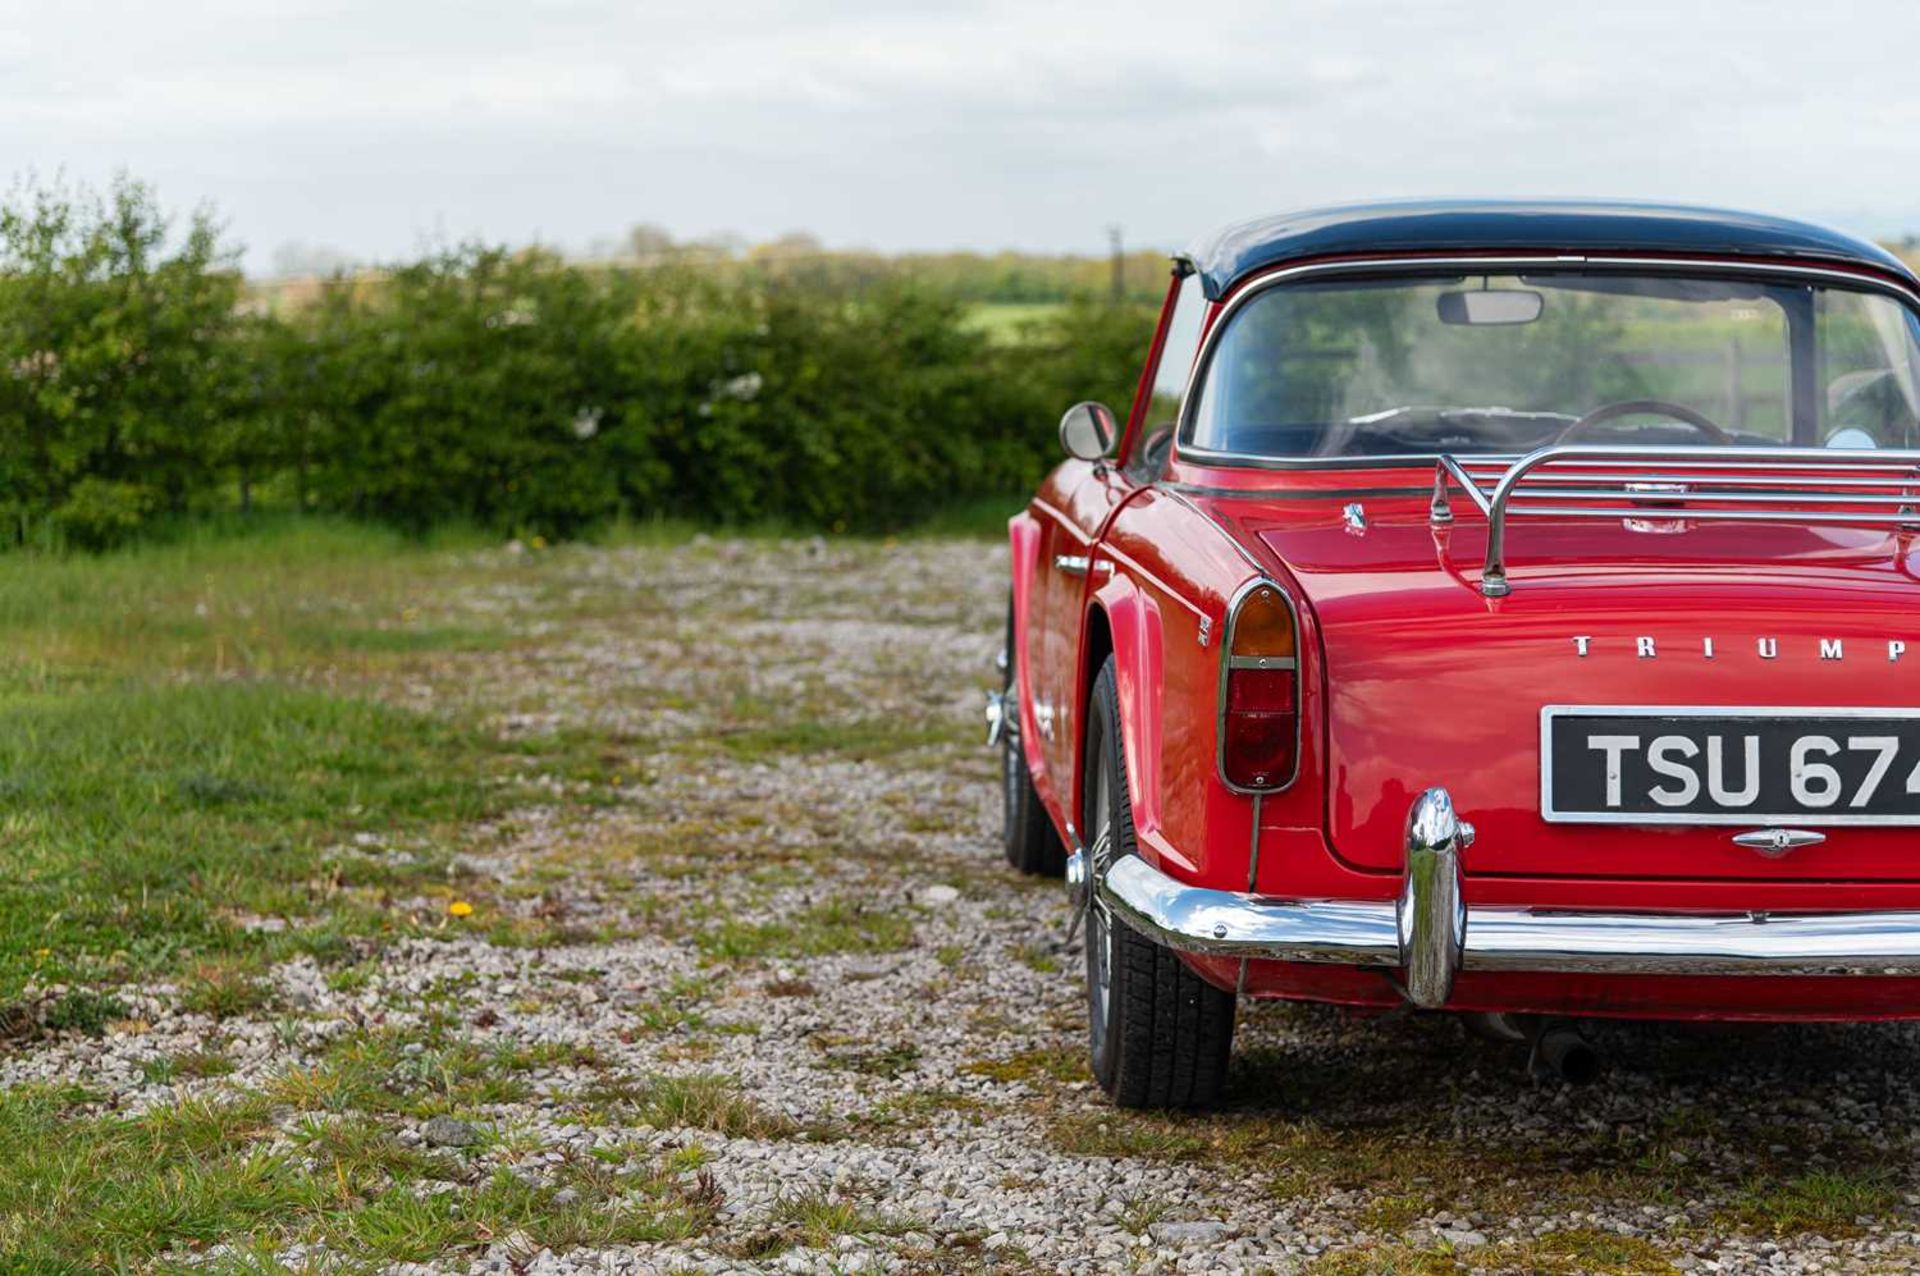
(1027, 833)
(1160, 1036)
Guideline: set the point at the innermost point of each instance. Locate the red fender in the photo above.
(1133, 619)
(1023, 535)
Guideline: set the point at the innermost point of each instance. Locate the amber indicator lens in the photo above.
(1265, 625)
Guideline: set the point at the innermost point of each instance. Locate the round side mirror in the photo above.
(1088, 431)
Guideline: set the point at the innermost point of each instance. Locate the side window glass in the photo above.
(1176, 357)
(1170, 374)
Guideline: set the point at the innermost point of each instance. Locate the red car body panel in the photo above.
(1409, 676)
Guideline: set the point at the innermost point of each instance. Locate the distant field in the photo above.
(1004, 321)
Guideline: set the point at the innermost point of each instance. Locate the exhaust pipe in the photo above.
(1491, 1025)
(1562, 1051)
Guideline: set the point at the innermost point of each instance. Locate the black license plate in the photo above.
(1652, 765)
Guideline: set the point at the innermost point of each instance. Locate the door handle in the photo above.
(1080, 565)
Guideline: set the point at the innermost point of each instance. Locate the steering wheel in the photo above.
(1635, 407)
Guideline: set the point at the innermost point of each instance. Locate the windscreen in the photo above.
(1508, 362)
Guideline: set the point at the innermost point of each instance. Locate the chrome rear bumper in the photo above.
(1430, 934)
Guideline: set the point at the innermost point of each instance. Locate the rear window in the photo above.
(1503, 363)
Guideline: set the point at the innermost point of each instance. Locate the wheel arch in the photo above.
(1124, 623)
(1023, 539)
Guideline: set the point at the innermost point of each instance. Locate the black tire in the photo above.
(1032, 843)
(1160, 1036)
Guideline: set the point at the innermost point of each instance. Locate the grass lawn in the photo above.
(172, 768)
(227, 753)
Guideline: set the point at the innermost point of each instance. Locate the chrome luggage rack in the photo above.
(1860, 488)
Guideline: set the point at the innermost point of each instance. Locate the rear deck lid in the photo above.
(1691, 642)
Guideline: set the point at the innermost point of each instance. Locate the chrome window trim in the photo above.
(1746, 819)
(1172, 488)
(1228, 664)
(1183, 450)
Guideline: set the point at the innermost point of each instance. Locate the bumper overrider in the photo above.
(1430, 933)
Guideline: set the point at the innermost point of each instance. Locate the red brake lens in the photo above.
(1261, 725)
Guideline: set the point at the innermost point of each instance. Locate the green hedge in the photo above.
(509, 390)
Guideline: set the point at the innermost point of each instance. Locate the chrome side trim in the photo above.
(1184, 450)
(1431, 935)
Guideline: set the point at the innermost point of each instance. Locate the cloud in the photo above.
(363, 125)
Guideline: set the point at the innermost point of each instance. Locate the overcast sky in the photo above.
(375, 126)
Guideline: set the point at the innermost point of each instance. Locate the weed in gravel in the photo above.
(222, 990)
(1142, 1212)
(82, 1010)
(420, 1072)
(874, 1061)
(354, 978)
(362, 1156)
(1394, 1214)
(1307, 1157)
(916, 1107)
(698, 1101)
(1394, 1259)
(1038, 957)
(610, 1208)
(1830, 1202)
(817, 1219)
(1585, 1251)
(190, 1065)
(789, 986)
(667, 1016)
(202, 1064)
(837, 926)
(1057, 1064)
(1571, 1252)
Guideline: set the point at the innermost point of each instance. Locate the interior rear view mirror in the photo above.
(1491, 306)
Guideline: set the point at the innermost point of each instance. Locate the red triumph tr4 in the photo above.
(1507, 609)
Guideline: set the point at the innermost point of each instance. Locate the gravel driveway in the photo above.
(792, 900)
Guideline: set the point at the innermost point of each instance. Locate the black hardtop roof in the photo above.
(1523, 226)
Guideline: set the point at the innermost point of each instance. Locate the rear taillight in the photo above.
(1260, 691)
